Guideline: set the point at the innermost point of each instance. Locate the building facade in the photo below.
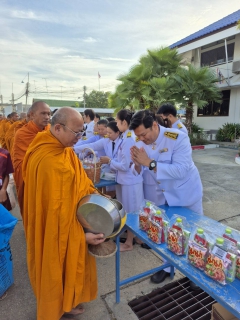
(218, 47)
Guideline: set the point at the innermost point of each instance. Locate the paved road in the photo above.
(220, 177)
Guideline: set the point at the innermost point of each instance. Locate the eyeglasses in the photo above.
(77, 134)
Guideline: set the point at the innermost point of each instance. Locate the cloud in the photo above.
(89, 40)
(30, 15)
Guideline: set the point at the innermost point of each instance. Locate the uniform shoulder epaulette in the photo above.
(171, 135)
(106, 136)
(179, 126)
(95, 133)
(136, 139)
(129, 134)
(84, 138)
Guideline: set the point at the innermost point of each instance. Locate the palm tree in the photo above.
(238, 24)
(195, 86)
(146, 84)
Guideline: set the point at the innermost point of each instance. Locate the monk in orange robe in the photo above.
(40, 113)
(61, 271)
(5, 125)
(9, 136)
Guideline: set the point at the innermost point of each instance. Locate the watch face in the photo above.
(153, 164)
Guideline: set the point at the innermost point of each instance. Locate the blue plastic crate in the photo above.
(7, 224)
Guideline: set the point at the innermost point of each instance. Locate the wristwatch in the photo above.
(152, 165)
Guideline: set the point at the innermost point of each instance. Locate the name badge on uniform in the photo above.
(171, 135)
(163, 150)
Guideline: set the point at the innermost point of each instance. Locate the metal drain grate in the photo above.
(174, 301)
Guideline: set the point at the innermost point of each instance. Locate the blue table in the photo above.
(228, 296)
(105, 183)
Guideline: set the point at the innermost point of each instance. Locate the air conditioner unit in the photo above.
(236, 66)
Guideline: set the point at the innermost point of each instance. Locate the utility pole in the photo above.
(1, 109)
(27, 92)
(84, 96)
(46, 84)
(13, 106)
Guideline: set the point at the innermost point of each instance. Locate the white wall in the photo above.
(194, 49)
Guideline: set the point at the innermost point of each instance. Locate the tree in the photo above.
(238, 24)
(96, 99)
(195, 86)
(159, 77)
(140, 87)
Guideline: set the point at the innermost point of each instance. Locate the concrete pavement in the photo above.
(220, 176)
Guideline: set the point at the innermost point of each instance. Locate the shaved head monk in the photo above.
(5, 125)
(61, 271)
(10, 134)
(40, 113)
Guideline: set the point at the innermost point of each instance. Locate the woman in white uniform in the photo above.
(129, 190)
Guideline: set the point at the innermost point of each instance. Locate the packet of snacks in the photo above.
(238, 262)
(221, 264)
(178, 235)
(234, 237)
(157, 223)
(197, 255)
(155, 232)
(145, 214)
(198, 246)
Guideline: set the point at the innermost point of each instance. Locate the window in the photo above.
(214, 109)
(217, 55)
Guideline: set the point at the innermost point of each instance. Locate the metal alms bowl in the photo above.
(99, 214)
(122, 213)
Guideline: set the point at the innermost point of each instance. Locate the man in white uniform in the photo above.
(169, 112)
(169, 174)
(88, 117)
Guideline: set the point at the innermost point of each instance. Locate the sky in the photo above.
(64, 44)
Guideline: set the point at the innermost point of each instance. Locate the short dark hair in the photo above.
(144, 117)
(97, 116)
(166, 109)
(103, 121)
(163, 122)
(125, 114)
(90, 113)
(113, 126)
(110, 119)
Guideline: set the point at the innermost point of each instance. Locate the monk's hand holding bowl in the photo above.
(94, 239)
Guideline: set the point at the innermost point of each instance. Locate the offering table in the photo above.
(227, 295)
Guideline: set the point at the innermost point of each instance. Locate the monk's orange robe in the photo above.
(61, 271)
(22, 140)
(5, 125)
(10, 134)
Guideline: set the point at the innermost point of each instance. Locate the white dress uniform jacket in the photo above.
(177, 180)
(180, 126)
(83, 141)
(99, 150)
(122, 164)
(90, 129)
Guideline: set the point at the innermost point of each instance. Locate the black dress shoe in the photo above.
(193, 286)
(145, 246)
(160, 276)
